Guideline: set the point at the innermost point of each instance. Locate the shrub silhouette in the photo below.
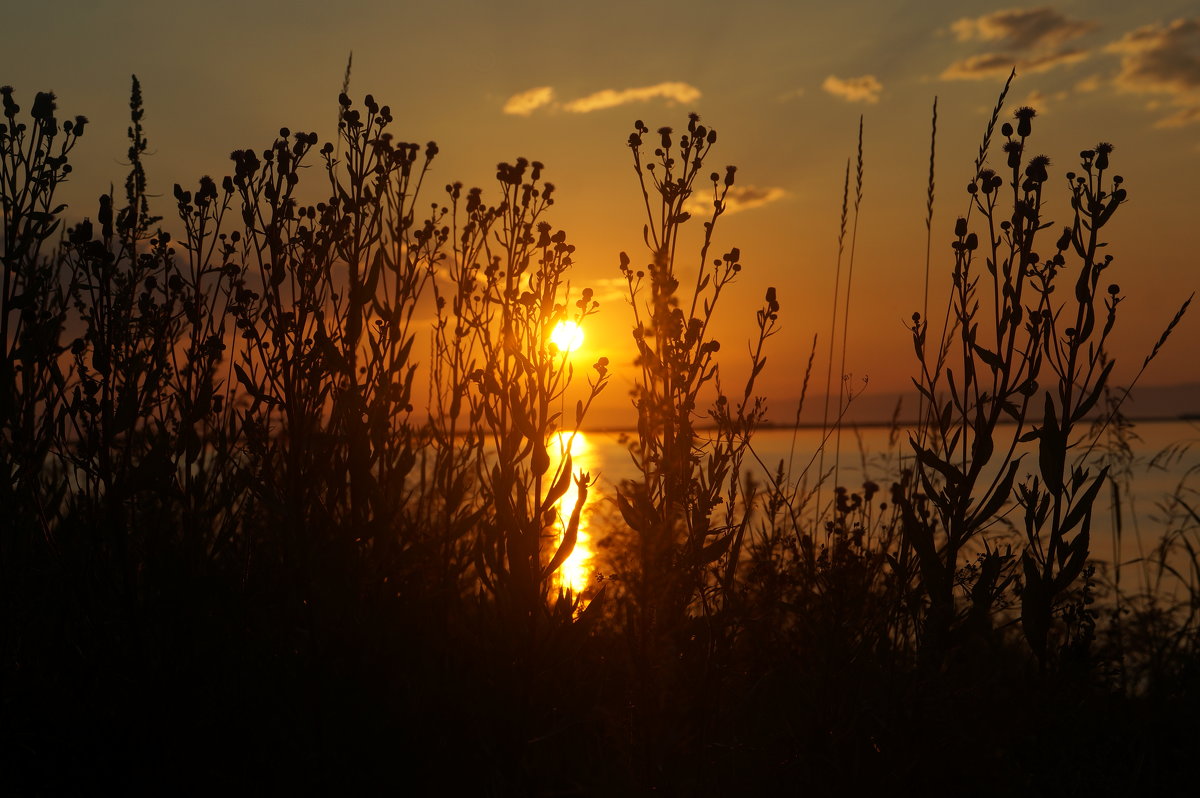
(236, 478)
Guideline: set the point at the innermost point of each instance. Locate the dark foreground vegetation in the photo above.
(266, 527)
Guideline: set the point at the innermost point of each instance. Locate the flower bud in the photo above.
(1025, 116)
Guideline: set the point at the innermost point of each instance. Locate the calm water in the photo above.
(1166, 457)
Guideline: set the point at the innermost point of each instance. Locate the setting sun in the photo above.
(567, 336)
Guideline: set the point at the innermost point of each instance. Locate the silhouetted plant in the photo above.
(222, 484)
(493, 340)
(1001, 347)
(34, 158)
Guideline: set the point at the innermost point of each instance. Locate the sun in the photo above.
(567, 336)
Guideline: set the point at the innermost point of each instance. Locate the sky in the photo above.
(785, 85)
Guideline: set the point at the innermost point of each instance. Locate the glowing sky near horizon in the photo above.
(783, 83)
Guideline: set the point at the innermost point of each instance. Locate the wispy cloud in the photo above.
(1021, 28)
(1163, 60)
(1189, 114)
(739, 198)
(671, 91)
(543, 98)
(997, 65)
(865, 88)
(526, 102)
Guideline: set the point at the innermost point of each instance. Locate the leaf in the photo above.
(571, 533)
(368, 286)
(989, 357)
(1075, 555)
(539, 462)
(1083, 504)
(520, 415)
(998, 497)
(1090, 402)
(936, 496)
(559, 488)
(630, 513)
(1052, 452)
(982, 447)
(328, 350)
(922, 389)
(252, 387)
(926, 457)
(944, 420)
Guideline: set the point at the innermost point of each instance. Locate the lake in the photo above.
(1165, 461)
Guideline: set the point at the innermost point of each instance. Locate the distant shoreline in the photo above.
(772, 426)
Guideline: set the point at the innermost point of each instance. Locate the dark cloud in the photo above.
(1163, 60)
(1160, 58)
(1034, 40)
(998, 65)
(1021, 28)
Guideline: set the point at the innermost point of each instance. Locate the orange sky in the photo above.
(783, 83)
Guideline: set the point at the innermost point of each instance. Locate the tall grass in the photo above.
(281, 480)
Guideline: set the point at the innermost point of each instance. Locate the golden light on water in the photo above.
(576, 573)
(567, 336)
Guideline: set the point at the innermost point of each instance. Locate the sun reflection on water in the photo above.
(576, 573)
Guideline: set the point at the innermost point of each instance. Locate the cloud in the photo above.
(1021, 28)
(543, 98)
(865, 88)
(739, 198)
(1163, 60)
(672, 91)
(1184, 116)
(997, 65)
(526, 102)
(1158, 58)
(1033, 39)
